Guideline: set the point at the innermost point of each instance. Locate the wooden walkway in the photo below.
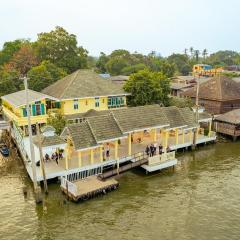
(87, 188)
(137, 160)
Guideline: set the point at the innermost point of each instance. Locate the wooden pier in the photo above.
(87, 188)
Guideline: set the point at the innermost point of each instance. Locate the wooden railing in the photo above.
(157, 159)
(68, 186)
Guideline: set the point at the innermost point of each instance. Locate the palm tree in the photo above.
(204, 53)
(191, 51)
(196, 53)
(186, 51)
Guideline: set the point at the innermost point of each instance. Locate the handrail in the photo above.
(69, 186)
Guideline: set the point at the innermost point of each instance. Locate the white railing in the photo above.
(157, 159)
(69, 186)
(17, 135)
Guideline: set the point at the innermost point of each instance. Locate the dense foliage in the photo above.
(56, 53)
(51, 57)
(147, 87)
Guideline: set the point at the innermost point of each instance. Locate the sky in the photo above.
(164, 26)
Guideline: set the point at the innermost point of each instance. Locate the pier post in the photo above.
(129, 144)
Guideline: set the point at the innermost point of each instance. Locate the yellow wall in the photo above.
(84, 105)
(16, 114)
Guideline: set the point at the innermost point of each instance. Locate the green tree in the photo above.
(101, 63)
(60, 48)
(147, 87)
(24, 59)
(115, 65)
(9, 48)
(181, 102)
(181, 63)
(133, 69)
(223, 58)
(9, 81)
(44, 75)
(57, 121)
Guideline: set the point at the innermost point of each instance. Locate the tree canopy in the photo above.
(147, 87)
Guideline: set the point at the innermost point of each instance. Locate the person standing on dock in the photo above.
(160, 148)
(147, 150)
(107, 151)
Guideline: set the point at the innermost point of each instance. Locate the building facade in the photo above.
(77, 93)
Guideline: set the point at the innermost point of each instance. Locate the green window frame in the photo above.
(97, 102)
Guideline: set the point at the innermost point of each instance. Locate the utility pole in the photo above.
(196, 112)
(32, 152)
(41, 159)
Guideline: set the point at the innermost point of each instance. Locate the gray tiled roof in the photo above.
(49, 141)
(18, 99)
(117, 123)
(104, 127)
(232, 117)
(174, 117)
(82, 135)
(134, 118)
(83, 83)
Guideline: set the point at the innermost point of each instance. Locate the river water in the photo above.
(200, 199)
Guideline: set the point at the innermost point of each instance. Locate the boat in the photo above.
(4, 150)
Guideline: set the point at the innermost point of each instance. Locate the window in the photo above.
(115, 102)
(97, 102)
(75, 104)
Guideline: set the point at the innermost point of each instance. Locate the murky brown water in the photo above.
(200, 200)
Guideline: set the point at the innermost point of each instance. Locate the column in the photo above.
(129, 145)
(66, 157)
(101, 153)
(154, 135)
(92, 156)
(191, 136)
(116, 150)
(176, 133)
(79, 159)
(183, 136)
(210, 128)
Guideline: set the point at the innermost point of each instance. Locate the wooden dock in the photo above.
(87, 188)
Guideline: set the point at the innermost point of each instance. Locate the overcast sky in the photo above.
(165, 26)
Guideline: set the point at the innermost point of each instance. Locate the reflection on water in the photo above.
(199, 200)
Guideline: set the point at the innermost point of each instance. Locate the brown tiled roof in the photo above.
(232, 117)
(220, 88)
(83, 83)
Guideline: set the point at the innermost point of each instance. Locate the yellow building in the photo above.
(205, 70)
(73, 95)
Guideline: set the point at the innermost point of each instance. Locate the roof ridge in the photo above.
(70, 82)
(115, 119)
(219, 83)
(91, 129)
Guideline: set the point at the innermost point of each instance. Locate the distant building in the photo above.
(228, 123)
(206, 70)
(217, 95)
(120, 79)
(178, 88)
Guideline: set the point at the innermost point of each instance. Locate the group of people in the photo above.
(55, 156)
(152, 149)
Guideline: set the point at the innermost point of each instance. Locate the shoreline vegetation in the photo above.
(57, 53)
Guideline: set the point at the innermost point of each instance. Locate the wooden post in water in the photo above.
(41, 159)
